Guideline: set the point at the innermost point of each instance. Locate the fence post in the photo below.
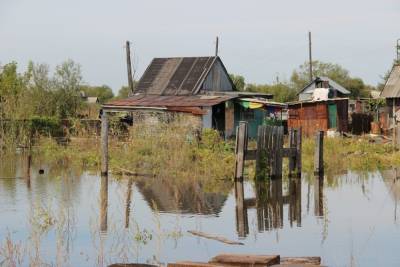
(104, 143)
(241, 147)
(319, 153)
(279, 152)
(260, 148)
(292, 144)
(298, 150)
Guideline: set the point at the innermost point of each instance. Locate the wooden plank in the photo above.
(241, 147)
(259, 147)
(214, 237)
(246, 259)
(279, 148)
(301, 260)
(299, 150)
(131, 265)
(104, 143)
(319, 153)
(290, 156)
(192, 264)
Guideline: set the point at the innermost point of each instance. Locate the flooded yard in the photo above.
(69, 216)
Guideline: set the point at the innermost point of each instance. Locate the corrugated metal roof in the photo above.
(175, 76)
(169, 101)
(392, 86)
(332, 84)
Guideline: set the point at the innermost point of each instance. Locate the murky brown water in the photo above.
(73, 217)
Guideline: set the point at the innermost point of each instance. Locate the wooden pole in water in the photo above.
(298, 150)
(241, 211)
(319, 153)
(104, 143)
(241, 147)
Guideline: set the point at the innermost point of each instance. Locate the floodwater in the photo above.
(74, 217)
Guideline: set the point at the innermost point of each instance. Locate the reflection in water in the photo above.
(184, 196)
(103, 203)
(268, 202)
(128, 202)
(391, 178)
(319, 196)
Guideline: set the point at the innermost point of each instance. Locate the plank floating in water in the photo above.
(214, 237)
(245, 260)
(301, 260)
(192, 264)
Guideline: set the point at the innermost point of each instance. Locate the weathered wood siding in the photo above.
(217, 79)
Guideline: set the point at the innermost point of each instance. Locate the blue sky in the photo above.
(258, 39)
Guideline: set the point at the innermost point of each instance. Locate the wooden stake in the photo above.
(241, 147)
(319, 153)
(104, 143)
(216, 45)
(298, 151)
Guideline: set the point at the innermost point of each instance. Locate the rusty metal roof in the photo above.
(169, 101)
(175, 76)
(392, 85)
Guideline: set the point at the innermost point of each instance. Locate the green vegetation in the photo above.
(285, 91)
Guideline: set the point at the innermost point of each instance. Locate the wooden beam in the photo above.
(104, 143)
(241, 148)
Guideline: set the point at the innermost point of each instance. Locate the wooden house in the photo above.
(312, 116)
(335, 90)
(197, 86)
(390, 114)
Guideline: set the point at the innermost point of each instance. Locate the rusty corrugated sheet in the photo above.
(169, 101)
(313, 116)
(392, 86)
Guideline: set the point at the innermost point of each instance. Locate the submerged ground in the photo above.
(68, 215)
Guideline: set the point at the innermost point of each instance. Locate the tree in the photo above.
(300, 77)
(103, 92)
(281, 92)
(125, 91)
(67, 81)
(238, 81)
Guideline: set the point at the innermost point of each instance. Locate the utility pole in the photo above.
(398, 51)
(216, 46)
(310, 55)
(129, 66)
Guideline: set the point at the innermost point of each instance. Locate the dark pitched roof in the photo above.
(392, 85)
(175, 76)
(332, 84)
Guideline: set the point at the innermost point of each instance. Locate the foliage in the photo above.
(282, 92)
(125, 91)
(238, 81)
(103, 92)
(300, 77)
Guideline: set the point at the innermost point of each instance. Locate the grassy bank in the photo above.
(175, 151)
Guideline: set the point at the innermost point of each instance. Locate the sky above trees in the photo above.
(259, 39)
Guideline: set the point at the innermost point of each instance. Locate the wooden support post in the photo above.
(241, 147)
(298, 150)
(104, 143)
(129, 67)
(397, 136)
(319, 153)
(278, 152)
(292, 144)
(261, 152)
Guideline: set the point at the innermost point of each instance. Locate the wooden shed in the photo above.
(197, 86)
(322, 115)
